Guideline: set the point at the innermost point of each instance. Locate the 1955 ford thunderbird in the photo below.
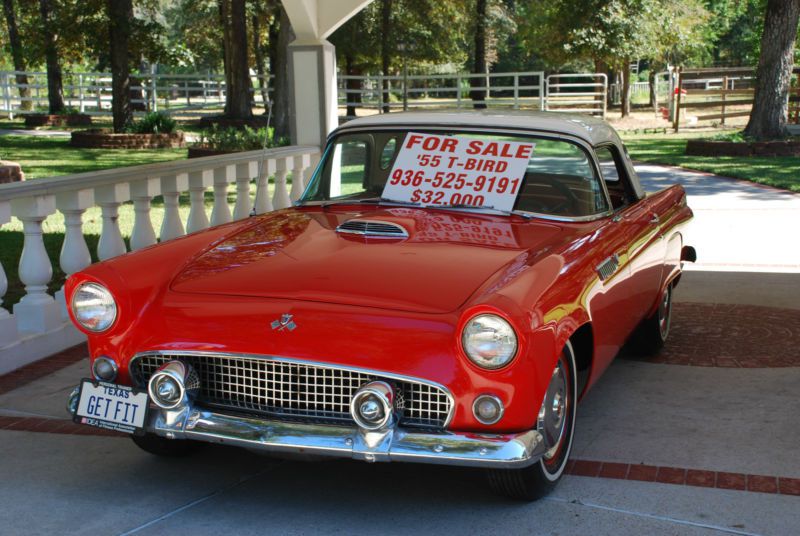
(445, 291)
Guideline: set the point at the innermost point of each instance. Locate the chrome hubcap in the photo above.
(663, 314)
(552, 421)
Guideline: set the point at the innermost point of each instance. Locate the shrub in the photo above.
(239, 139)
(153, 123)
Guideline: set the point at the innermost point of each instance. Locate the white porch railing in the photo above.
(39, 326)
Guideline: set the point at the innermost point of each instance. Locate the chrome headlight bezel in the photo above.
(79, 310)
(488, 322)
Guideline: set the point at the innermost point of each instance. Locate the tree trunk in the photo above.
(120, 15)
(651, 81)
(258, 51)
(281, 72)
(386, 57)
(626, 89)
(774, 72)
(478, 93)
(16, 55)
(353, 99)
(237, 75)
(55, 87)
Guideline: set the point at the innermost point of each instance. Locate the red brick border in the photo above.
(730, 335)
(685, 477)
(52, 426)
(43, 367)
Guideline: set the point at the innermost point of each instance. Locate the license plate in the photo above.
(110, 406)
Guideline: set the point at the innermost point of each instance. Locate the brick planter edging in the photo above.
(57, 120)
(10, 172)
(732, 148)
(101, 139)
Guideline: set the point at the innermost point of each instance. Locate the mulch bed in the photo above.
(200, 152)
(257, 121)
(57, 120)
(105, 139)
(731, 148)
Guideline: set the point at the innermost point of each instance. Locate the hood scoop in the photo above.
(373, 229)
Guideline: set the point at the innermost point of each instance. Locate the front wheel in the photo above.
(556, 423)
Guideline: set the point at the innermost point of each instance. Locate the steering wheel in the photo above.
(569, 202)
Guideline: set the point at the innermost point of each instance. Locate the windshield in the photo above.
(461, 169)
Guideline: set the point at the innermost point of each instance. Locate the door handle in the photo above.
(655, 220)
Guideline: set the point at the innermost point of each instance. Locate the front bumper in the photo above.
(394, 444)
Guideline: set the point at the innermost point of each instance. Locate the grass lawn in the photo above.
(47, 157)
(778, 171)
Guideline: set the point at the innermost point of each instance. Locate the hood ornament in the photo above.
(285, 322)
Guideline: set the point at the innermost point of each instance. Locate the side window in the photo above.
(388, 152)
(614, 176)
(348, 169)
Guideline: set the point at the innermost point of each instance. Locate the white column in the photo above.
(301, 164)
(171, 188)
(37, 312)
(109, 198)
(221, 213)
(142, 192)
(243, 204)
(263, 201)
(75, 254)
(281, 198)
(8, 324)
(198, 182)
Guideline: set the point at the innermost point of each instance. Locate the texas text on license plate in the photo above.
(110, 406)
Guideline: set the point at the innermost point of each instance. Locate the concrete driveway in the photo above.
(701, 439)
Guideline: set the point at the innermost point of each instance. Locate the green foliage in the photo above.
(153, 123)
(239, 139)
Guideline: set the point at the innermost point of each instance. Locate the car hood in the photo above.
(298, 254)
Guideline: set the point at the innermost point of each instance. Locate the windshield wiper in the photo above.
(487, 207)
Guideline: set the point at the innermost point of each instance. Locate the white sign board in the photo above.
(452, 170)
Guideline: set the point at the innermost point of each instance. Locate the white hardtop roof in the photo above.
(590, 129)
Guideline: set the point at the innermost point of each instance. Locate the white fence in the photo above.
(199, 93)
(38, 326)
(90, 93)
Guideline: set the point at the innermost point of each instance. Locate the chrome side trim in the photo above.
(392, 445)
(382, 374)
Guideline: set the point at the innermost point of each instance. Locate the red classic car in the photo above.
(445, 291)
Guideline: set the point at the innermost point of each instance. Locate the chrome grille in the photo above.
(373, 228)
(295, 390)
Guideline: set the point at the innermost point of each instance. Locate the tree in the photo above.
(387, 46)
(120, 17)
(237, 76)
(774, 72)
(479, 91)
(16, 53)
(258, 52)
(55, 86)
(280, 37)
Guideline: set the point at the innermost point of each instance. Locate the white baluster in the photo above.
(74, 251)
(109, 198)
(301, 164)
(198, 182)
(171, 188)
(142, 192)
(263, 201)
(8, 324)
(281, 198)
(221, 213)
(37, 312)
(243, 204)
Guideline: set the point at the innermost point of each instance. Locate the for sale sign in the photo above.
(452, 170)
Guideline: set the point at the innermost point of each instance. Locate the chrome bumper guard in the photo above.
(393, 444)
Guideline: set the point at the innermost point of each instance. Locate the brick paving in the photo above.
(728, 335)
(41, 368)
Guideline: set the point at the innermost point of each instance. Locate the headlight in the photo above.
(489, 341)
(94, 307)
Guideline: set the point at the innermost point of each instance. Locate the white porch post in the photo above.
(74, 251)
(37, 311)
(8, 325)
(312, 66)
